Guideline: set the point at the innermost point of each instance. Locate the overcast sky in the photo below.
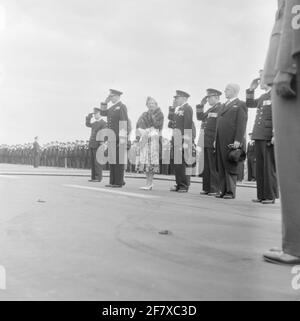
(58, 58)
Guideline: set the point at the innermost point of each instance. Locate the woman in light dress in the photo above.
(148, 129)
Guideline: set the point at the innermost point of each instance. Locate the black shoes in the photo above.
(277, 256)
(179, 189)
(219, 196)
(174, 189)
(113, 186)
(204, 193)
(212, 194)
(225, 196)
(228, 197)
(208, 193)
(265, 202)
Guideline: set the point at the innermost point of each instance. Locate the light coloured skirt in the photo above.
(149, 152)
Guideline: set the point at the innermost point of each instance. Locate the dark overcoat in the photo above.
(231, 127)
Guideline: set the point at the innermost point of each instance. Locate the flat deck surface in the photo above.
(63, 238)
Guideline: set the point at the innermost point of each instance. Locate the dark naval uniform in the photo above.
(209, 123)
(115, 114)
(231, 126)
(264, 151)
(96, 168)
(181, 118)
(284, 59)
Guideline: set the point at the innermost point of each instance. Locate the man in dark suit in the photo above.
(209, 123)
(116, 117)
(97, 125)
(267, 190)
(231, 127)
(181, 121)
(251, 161)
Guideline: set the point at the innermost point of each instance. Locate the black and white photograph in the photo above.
(149, 152)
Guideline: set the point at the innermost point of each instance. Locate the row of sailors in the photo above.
(56, 154)
(72, 155)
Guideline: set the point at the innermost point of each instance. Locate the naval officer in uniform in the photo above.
(282, 70)
(96, 125)
(209, 123)
(181, 121)
(116, 116)
(267, 190)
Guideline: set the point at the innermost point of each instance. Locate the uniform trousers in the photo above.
(265, 171)
(116, 169)
(286, 115)
(96, 168)
(210, 175)
(183, 180)
(251, 165)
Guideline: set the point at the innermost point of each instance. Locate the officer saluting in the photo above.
(115, 114)
(97, 125)
(181, 118)
(267, 190)
(209, 123)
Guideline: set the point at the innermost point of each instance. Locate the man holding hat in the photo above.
(181, 121)
(116, 117)
(209, 123)
(230, 134)
(96, 126)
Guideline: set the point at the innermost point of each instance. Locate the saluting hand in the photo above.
(255, 84)
(204, 101)
(107, 100)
